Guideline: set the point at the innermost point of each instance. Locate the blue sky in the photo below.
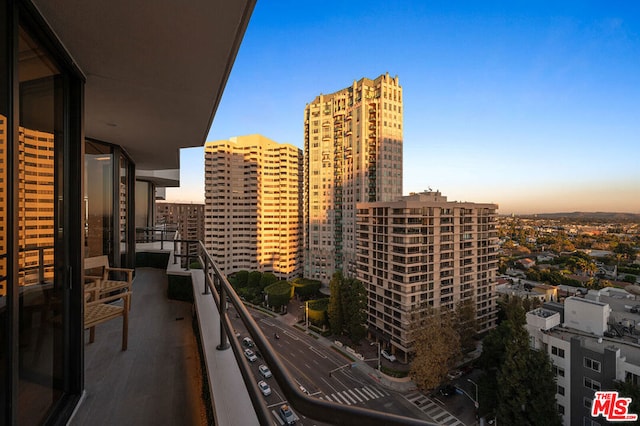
(531, 105)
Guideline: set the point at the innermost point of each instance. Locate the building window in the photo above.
(557, 371)
(560, 390)
(591, 384)
(592, 364)
(587, 402)
(557, 351)
(561, 409)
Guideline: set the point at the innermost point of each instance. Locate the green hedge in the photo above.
(279, 294)
(318, 311)
(306, 288)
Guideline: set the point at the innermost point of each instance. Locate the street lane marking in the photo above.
(356, 396)
(371, 394)
(366, 398)
(347, 396)
(293, 336)
(317, 352)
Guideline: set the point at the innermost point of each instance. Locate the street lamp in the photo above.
(377, 343)
(306, 314)
(476, 385)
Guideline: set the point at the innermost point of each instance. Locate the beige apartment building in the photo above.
(423, 251)
(253, 211)
(353, 153)
(35, 205)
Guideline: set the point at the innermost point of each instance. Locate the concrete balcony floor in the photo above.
(158, 379)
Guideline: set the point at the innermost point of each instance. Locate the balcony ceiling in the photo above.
(155, 71)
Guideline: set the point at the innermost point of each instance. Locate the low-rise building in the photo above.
(584, 359)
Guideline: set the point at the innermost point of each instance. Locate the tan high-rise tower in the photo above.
(253, 212)
(353, 153)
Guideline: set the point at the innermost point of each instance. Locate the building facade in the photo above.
(423, 252)
(353, 153)
(253, 211)
(584, 359)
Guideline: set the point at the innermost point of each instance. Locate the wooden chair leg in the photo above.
(92, 334)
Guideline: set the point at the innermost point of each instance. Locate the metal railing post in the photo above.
(224, 339)
(206, 272)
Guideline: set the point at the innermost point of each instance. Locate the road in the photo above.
(310, 362)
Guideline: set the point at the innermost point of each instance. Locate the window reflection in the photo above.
(40, 291)
(98, 200)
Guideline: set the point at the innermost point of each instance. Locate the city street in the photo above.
(329, 375)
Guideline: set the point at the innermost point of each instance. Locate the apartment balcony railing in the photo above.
(216, 284)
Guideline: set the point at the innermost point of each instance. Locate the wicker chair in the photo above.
(99, 309)
(108, 285)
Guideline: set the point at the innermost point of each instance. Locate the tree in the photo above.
(254, 279)
(242, 278)
(267, 279)
(466, 325)
(334, 311)
(354, 307)
(526, 386)
(436, 346)
(628, 389)
(278, 294)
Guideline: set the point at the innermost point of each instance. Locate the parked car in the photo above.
(247, 342)
(388, 356)
(264, 370)
(303, 389)
(455, 374)
(250, 355)
(264, 388)
(287, 415)
(635, 309)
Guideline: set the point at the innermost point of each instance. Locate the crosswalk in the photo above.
(355, 395)
(433, 410)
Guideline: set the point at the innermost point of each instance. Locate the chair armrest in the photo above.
(124, 296)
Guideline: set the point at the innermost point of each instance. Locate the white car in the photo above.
(250, 355)
(388, 356)
(264, 370)
(264, 388)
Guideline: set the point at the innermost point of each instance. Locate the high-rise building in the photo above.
(188, 220)
(420, 252)
(253, 212)
(353, 153)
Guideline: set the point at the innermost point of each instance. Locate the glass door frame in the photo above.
(22, 14)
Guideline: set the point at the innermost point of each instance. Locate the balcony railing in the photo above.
(216, 284)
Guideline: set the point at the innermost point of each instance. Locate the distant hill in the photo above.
(596, 216)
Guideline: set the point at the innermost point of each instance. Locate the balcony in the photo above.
(162, 385)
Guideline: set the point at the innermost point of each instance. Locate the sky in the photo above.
(534, 106)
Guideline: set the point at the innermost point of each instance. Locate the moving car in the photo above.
(264, 388)
(250, 355)
(287, 415)
(264, 370)
(388, 356)
(247, 342)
